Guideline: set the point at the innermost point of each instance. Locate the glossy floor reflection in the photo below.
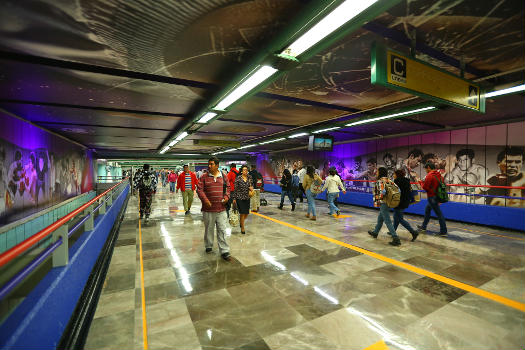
(285, 289)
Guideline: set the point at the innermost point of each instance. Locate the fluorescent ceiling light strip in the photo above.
(172, 143)
(261, 74)
(335, 19)
(271, 141)
(424, 109)
(327, 129)
(506, 91)
(298, 135)
(181, 136)
(164, 150)
(230, 150)
(207, 117)
(247, 146)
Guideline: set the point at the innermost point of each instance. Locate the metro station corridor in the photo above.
(288, 289)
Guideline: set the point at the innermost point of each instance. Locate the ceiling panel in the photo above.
(90, 117)
(32, 82)
(243, 128)
(273, 111)
(199, 39)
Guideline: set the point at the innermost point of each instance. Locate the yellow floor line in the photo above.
(495, 297)
(142, 292)
(480, 232)
(380, 345)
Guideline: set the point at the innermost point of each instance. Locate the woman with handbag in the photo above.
(241, 195)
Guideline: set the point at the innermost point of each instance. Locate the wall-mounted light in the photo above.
(326, 26)
(258, 75)
(206, 117)
(327, 129)
(298, 135)
(390, 116)
(506, 91)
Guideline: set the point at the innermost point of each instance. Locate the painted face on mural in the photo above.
(511, 165)
(464, 162)
(413, 162)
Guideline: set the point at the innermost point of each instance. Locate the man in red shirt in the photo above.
(214, 192)
(186, 183)
(430, 186)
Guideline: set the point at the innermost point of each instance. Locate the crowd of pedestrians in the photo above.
(239, 190)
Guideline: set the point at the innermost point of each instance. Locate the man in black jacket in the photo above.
(406, 198)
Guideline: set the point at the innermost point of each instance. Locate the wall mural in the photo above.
(492, 155)
(38, 169)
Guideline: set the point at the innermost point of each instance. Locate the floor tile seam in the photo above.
(489, 295)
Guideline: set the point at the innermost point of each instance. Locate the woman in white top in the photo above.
(333, 184)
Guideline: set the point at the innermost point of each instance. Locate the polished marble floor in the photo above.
(287, 289)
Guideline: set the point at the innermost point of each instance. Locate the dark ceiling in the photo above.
(123, 76)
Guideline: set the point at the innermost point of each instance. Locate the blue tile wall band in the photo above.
(39, 321)
(29, 228)
(491, 215)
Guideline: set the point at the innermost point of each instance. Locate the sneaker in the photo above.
(187, 212)
(421, 228)
(372, 233)
(442, 233)
(338, 212)
(307, 215)
(313, 218)
(293, 206)
(414, 235)
(226, 256)
(395, 242)
(209, 250)
(141, 215)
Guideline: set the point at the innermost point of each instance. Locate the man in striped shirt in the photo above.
(186, 183)
(214, 192)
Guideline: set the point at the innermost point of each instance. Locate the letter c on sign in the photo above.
(399, 67)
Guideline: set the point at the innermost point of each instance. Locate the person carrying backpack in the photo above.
(436, 194)
(146, 183)
(313, 185)
(386, 195)
(286, 188)
(406, 199)
(333, 184)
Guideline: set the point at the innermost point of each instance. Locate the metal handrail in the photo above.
(26, 244)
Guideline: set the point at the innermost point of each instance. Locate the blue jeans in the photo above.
(172, 186)
(311, 202)
(287, 193)
(398, 219)
(331, 197)
(432, 204)
(384, 216)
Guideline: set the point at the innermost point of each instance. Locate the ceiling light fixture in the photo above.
(260, 74)
(247, 146)
(230, 150)
(335, 19)
(181, 136)
(206, 117)
(390, 116)
(172, 143)
(327, 129)
(297, 135)
(506, 91)
(272, 141)
(164, 150)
